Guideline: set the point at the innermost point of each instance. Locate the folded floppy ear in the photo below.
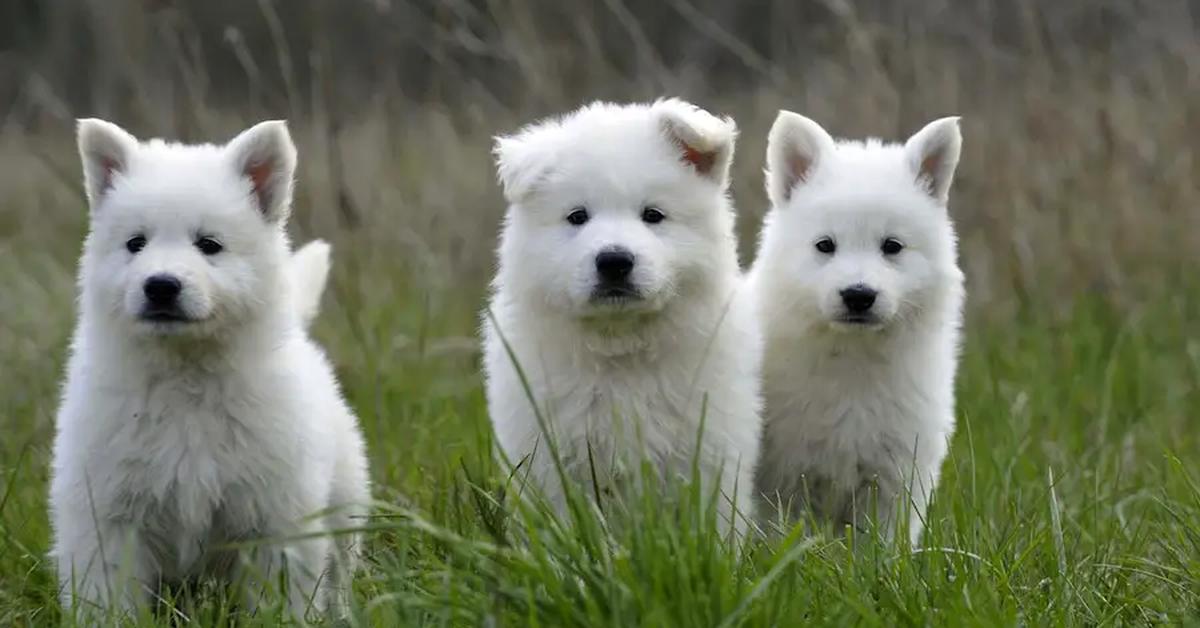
(266, 156)
(105, 150)
(795, 148)
(705, 142)
(933, 155)
(522, 161)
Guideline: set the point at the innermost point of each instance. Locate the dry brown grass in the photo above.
(1081, 118)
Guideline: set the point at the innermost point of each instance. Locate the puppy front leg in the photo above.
(291, 567)
(350, 497)
(883, 502)
(103, 567)
(736, 507)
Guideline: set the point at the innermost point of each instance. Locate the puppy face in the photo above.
(185, 240)
(860, 234)
(615, 209)
(863, 262)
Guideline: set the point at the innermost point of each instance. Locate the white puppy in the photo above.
(310, 271)
(196, 412)
(860, 298)
(617, 292)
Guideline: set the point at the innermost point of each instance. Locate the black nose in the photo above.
(162, 289)
(858, 298)
(614, 264)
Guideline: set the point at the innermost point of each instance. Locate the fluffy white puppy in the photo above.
(618, 295)
(196, 411)
(860, 298)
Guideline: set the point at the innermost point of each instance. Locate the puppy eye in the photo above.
(209, 245)
(136, 243)
(826, 245)
(652, 215)
(578, 216)
(891, 246)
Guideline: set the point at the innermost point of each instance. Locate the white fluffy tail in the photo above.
(310, 270)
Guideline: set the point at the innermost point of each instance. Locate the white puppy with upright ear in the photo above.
(618, 292)
(196, 413)
(860, 296)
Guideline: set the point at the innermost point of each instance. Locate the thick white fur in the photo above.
(631, 382)
(849, 406)
(310, 271)
(175, 440)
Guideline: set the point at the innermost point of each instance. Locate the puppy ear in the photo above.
(105, 150)
(795, 148)
(933, 155)
(266, 156)
(704, 141)
(521, 162)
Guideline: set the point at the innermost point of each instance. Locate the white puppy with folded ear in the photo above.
(618, 292)
(860, 296)
(197, 414)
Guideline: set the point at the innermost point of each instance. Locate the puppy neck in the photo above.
(689, 320)
(210, 352)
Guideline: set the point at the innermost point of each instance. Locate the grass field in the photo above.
(1071, 495)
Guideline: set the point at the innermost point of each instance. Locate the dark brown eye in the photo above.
(891, 246)
(578, 216)
(209, 245)
(136, 243)
(652, 215)
(826, 245)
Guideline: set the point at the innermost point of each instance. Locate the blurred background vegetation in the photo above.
(1081, 118)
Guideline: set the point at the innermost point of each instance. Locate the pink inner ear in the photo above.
(798, 166)
(259, 173)
(109, 166)
(929, 165)
(927, 174)
(702, 162)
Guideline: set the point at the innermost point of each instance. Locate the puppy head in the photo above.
(185, 239)
(616, 208)
(859, 232)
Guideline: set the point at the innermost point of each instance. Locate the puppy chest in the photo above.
(848, 441)
(614, 413)
(187, 459)
(192, 496)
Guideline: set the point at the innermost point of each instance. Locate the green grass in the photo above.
(1071, 495)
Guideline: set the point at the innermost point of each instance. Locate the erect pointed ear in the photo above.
(105, 150)
(795, 148)
(933, 155)
(266, 156)
(705, 142)
(522, 161)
